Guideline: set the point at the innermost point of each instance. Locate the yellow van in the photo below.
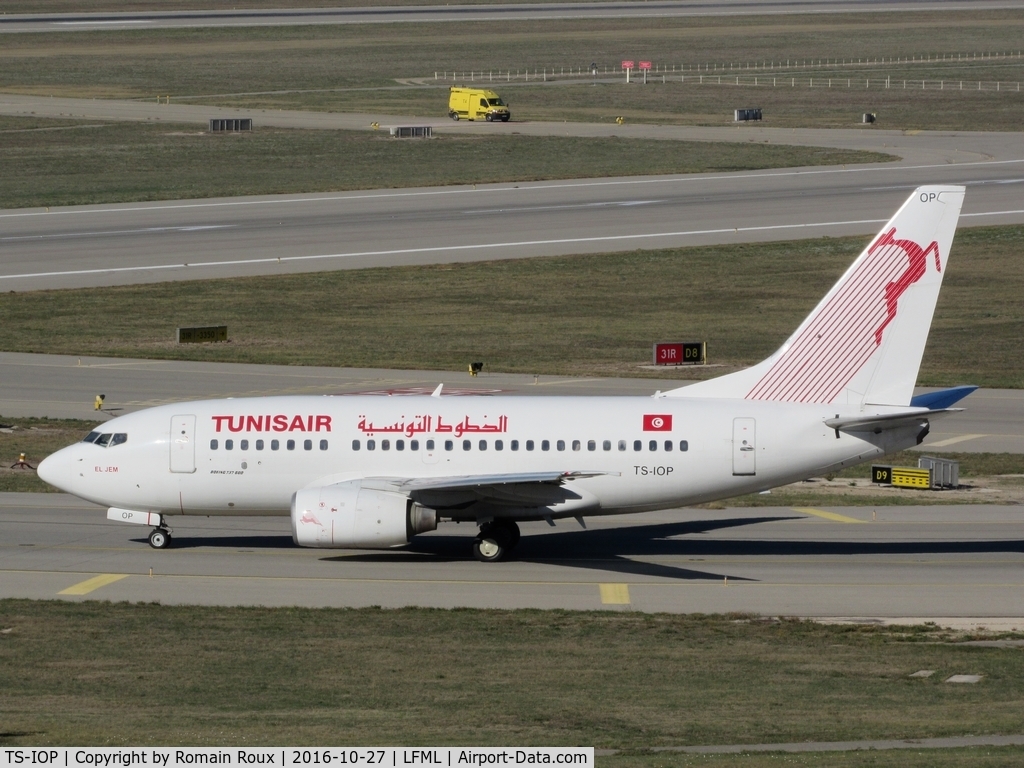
(476, 103)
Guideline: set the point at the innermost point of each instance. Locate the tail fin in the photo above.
(863, 343)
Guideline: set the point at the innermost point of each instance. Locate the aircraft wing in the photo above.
(881, 422)
(527, 489)
(474, 481)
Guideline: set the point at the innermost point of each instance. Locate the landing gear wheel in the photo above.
(511, 533)
(487, 549)
(497, 538)
(160, 538)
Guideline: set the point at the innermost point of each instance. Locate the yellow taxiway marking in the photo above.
(953, 440)
(827, 515)
(614, 594)
(89, 585)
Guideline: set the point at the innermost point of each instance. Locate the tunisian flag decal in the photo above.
(657, 422)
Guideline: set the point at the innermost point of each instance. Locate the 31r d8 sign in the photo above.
(680, 353)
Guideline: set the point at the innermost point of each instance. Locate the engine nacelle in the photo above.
(346, 515)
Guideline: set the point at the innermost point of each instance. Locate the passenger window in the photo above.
(514, 445)
(385, 445)
(606, 445)
(653, 445)
(307, 445)
(290, 445)
(638, 445)
(371, 445)
(275, 445)
(355, 445)
(259, 445)
(467, 444)
(483, 445)
(323, 445)
(591, 445)
(414, 445)
(229, 445)
(684, 445)
(243, 445)
(499, 445)
(91, 437)
(119, 438)
(430, 445)
(448, 445)
(622, 445)
(399, 445)
(668, 445)
(576, 445)
(560, 445)
(213, 445)
(545, 445)
(104, 439)
(529, 445)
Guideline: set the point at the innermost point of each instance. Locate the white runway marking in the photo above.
(434, 249)
(195, 228)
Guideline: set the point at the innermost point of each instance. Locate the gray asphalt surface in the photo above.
(909, 563)
(178, 240)
(499, 12)
(65, 387)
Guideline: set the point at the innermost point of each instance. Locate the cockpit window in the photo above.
(107, 439)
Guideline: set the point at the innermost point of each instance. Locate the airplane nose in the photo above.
(55, 469)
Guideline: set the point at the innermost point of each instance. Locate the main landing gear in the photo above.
(495, 540)
(160, 538)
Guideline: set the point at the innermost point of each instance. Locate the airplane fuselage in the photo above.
(249, 456)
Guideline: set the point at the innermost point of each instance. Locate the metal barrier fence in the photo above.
(718, 68)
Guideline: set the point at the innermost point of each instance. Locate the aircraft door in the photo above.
(183, 443)
(744, 447)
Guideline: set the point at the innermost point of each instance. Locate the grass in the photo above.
(78, 162)
(535, 315)
(72, 673)
(357, 67)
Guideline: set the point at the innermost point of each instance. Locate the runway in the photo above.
(908, 562)
(200, 239)
(498, 12)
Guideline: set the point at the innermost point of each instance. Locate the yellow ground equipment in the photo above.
(476, 104)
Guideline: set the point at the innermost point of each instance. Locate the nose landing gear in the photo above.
(160, 538)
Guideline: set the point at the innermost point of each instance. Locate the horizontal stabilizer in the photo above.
(943, 398)
(883, 422)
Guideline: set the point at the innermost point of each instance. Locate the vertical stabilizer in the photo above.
(863, 343)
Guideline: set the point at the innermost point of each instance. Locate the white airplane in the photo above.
(372, 472)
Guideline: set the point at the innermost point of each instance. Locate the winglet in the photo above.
(437, 392)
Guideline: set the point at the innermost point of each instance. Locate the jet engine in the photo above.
(347, 515)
